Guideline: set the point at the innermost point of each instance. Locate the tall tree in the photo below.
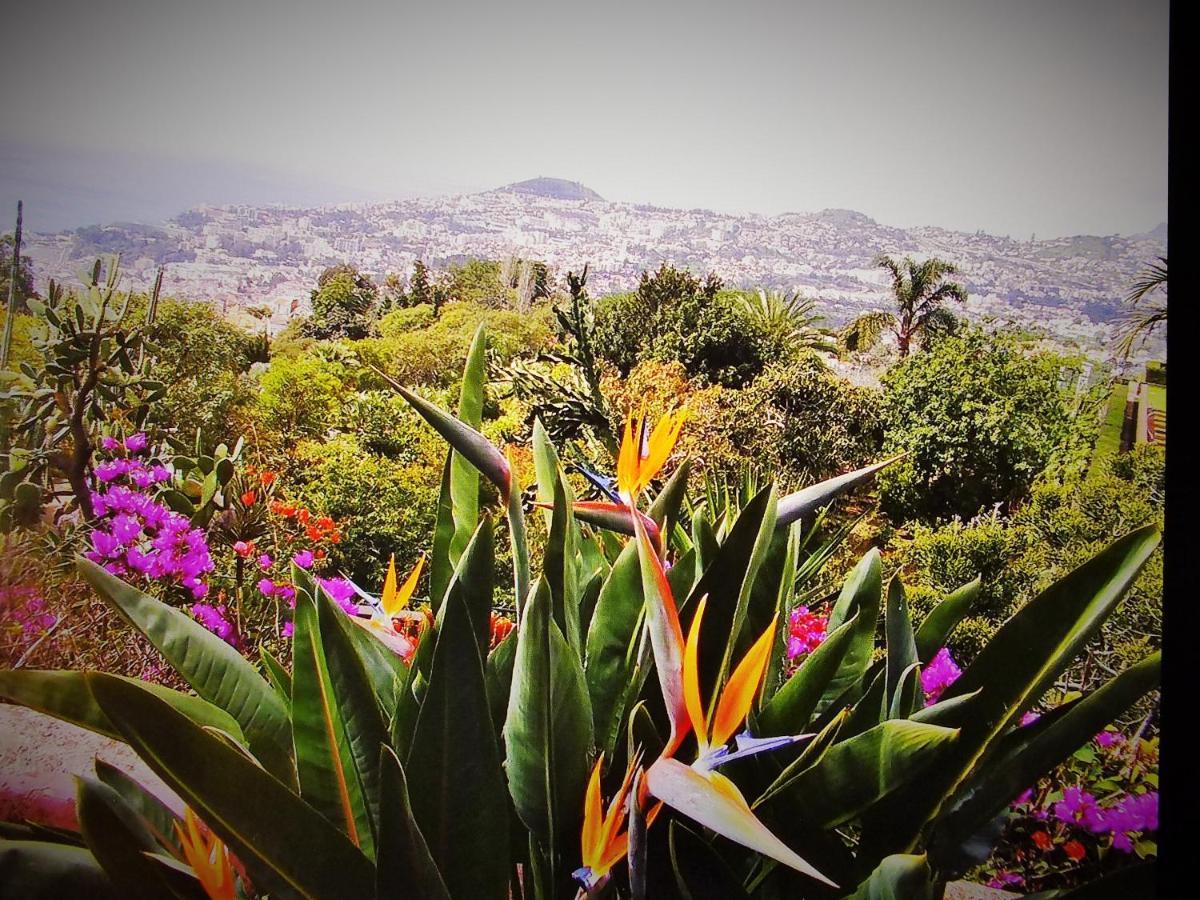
(920, 290)
(1147, 306)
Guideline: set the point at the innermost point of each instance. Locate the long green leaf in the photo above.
(405, 865)
(64, 694)
(458, 799)
(937, 627)
(901, 643)
(612, 645)
(859, 599)
(548, 730)
(858, 772)
(118, 840)
(287, 845)
(1011, 673)
(898, 877)
(1007, 775)
(809, 501)
(156, 817)
(336, 724)
(793, 705)
(215, 670)
(559, 558)
(39, 870)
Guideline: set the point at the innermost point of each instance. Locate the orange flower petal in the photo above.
(590, 839)
(691, 678)
(741, 688)
(404, 594)
(389, 584)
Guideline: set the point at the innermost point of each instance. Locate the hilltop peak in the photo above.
(554, 188)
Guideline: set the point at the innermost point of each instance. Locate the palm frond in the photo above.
(864, 332)
(1150, 279)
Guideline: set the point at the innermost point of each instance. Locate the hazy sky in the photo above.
(1014, 116)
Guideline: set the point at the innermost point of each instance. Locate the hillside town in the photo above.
(1067, 289)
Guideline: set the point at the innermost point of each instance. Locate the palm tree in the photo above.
(788, 319)
(1139, 322)
(919, 290)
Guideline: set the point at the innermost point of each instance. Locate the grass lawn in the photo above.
(1108, 441)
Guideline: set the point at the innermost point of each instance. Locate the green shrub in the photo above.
(300, 396)
(416, 349)
(675, 317)
(384, 504)
(806, 421)
(980, 420)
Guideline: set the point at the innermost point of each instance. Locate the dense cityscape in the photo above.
(1067, 288)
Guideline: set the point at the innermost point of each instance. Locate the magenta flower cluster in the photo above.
(216, 620)
(941, 672)
(806, 632)
(24, 606)
(137, 535)
(1129, 816)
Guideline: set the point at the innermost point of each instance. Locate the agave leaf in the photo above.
(713, 802)
(859, 599)
(287, 846)
(215, 670)
(40, 870)
(64, 694)
(940, 623)
(793, 705)
(548, 729)
(1007, 775)
(405, 866)
(807, 502)
(458, 801)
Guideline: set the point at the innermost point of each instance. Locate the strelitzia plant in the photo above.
(478, 772)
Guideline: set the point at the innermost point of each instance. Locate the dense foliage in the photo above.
(535, 629)
(979, 417)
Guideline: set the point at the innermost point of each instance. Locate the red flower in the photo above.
(304, 516)
(243, 548)
(249, 497)
(267, 478)
(1042, 840)
(1074, 849)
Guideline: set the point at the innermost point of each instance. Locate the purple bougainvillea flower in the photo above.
(806, 632)
(214, 619)
(304, 559)
(109, 444)
(136, 443)
(266, 587)
(265, 561)
(938, 675)
(1107, 738)
(342, 592)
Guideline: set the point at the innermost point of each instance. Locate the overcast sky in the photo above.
(1015, 116)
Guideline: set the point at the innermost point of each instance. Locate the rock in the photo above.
(39, 757)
